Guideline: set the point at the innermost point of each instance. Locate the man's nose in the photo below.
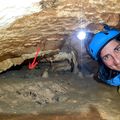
(117, 60)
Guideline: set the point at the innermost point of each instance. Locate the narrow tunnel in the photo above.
(46, 72)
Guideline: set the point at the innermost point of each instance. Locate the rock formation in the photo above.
(47, 24)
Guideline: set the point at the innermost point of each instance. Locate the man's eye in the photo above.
(107, 57)
(117, 49)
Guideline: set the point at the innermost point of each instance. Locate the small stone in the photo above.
(80, 75)
(18, 92)
(74, 101)
(39, 102)
(45, 74)
(60, 98)
(108, 100)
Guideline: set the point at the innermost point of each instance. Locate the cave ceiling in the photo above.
(28, 24)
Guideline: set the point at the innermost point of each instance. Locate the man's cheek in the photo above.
(109, 63)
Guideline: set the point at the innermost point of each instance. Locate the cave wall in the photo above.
(48, 26)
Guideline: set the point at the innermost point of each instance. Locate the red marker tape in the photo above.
(34, 63)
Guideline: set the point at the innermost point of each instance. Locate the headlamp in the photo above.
(81, 35)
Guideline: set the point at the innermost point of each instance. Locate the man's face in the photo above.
(110, 55)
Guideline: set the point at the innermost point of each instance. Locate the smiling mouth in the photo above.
(118, 68)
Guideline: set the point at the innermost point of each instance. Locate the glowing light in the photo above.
(81, 35)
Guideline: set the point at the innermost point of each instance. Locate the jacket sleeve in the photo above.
(114, 81)
(105, 77)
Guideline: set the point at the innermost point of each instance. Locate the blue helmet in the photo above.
(100, 40)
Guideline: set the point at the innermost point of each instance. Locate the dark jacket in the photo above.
(109, 76)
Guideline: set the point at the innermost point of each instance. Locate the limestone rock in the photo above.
(61, 66)
(46, 23)
(45, 73)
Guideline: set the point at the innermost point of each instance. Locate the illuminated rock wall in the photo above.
(46, 23)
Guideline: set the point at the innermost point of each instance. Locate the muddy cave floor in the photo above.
(24, 94)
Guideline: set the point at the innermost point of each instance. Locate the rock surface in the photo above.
(48, 25)
(25, 93)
